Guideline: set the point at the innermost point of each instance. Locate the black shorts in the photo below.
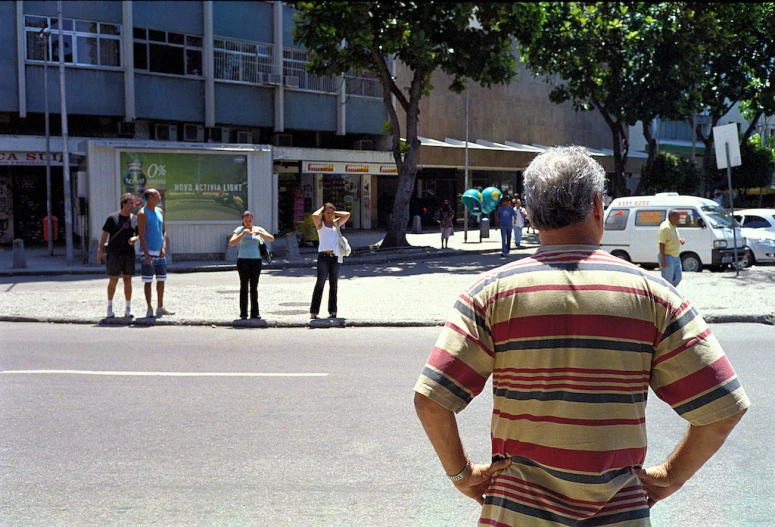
(120, 263)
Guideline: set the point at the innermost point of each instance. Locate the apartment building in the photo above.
(208, 101)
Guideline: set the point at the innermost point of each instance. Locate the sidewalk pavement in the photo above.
(414, 286)
(364, 244)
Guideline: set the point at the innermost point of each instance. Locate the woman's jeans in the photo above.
(328, 268)
(249, 270)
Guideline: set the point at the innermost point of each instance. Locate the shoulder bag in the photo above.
(344, 245)
(266, 256)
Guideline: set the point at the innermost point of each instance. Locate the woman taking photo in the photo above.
(327, 221)
(248, 262)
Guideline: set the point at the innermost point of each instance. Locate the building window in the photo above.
(242, 60)
(295, 73)
(364, 83)
(85, 43)
(167, 52)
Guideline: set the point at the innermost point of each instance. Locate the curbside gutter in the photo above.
(710, 318)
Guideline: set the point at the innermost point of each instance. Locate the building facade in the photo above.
(152, 80)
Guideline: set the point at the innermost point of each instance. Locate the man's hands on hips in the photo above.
(658, 483)
(475, 485)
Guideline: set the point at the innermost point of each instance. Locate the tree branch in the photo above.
(387, 79)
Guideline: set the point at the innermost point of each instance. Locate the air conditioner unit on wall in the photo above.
(364, 144)
(217, 134)
(292, 82)
(166, 132)
(274, 78)
(245, 137)
(193, 132)
(126, 129)
(282, 140)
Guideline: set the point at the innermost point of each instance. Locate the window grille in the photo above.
(242, 60)
(294, 65)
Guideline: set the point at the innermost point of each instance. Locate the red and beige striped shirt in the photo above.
(573, 338)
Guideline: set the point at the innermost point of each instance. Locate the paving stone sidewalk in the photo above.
(407, 287)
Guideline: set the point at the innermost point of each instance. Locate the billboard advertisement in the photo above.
(194, 187)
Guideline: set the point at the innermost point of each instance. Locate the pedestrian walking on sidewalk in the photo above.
(573, 338)
(152, 231)
(505, 214)
(248, 237)
(445, 218)
(519, 221)
(327, 221)
(670, 248)
(120, 233)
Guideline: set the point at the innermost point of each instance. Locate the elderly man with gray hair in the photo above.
(573, 339)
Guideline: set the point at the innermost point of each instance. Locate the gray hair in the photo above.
(560, 186)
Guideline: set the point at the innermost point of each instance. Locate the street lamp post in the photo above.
(44, 36)
(465, 209)
(65, 152)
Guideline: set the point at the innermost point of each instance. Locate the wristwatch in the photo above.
(463, 473)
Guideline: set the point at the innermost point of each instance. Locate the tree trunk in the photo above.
(407, 167)
(651, 146)
(618, 178)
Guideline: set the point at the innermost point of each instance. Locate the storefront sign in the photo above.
(196, 187)
(29, 158)
(326, 167)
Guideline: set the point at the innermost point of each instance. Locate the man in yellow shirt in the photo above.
(670, 248)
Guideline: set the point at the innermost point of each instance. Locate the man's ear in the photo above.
(598, 210)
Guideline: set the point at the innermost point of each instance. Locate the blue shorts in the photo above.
(158, 267)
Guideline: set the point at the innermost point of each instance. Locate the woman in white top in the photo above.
(326, 220)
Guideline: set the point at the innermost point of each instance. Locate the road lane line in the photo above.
(164, 373)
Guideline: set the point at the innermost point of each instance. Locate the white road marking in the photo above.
(165, 373)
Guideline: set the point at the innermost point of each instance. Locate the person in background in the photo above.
(121, 228)
(445, 218)
(152, 231)
(248, 237)
(519, 221)
(718, 197)
(327, 220)
(670, 248)
(573, 339)
(505, 215)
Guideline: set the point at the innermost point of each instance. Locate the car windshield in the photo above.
(719, 217)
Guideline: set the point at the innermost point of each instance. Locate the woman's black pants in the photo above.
(249, 270)
(328, 268)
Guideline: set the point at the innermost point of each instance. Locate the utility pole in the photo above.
(45, 38)
(65, 152)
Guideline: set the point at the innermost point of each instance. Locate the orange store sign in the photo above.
(324, 167)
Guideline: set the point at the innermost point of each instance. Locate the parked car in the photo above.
(759, 219)
(761, 242)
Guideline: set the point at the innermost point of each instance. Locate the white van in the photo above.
(632, 225)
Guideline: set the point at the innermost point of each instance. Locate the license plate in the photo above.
(727, 259)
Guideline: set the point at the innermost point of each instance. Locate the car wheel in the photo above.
(621, 254)
(746, 260)
(691, 263)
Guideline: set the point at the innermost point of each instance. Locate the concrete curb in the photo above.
(710, 318)
(419, 254)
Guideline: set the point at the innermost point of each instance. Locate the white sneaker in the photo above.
(111, 314)
(128, 313)
(163, 311)
(149, 313)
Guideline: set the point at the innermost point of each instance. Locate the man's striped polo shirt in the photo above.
(573, 338)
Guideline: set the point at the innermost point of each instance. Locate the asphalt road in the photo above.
(216, 426)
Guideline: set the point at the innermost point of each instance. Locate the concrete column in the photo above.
(21, 68)
(208, 64)
(279, 90)
(128, 57)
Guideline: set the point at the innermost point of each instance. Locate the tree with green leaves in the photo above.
(472, 40)
(731, 62)
(670, 173)
(631, 61)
